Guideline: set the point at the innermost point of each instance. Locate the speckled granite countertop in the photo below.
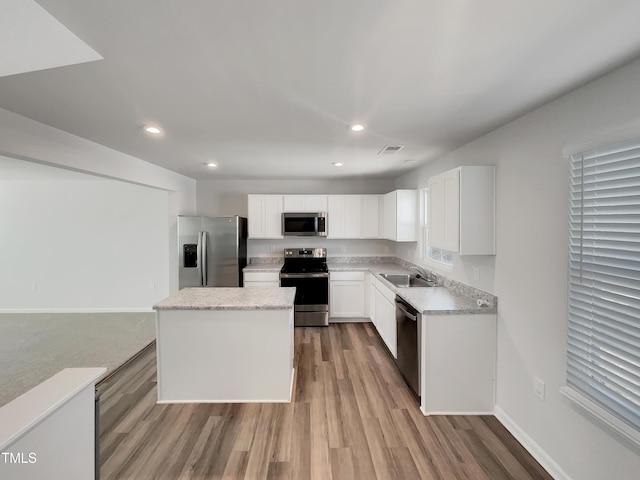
(264, 298)
(449, 298)
(263, 267)
(441, 301)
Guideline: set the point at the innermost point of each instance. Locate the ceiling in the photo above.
(268, 89)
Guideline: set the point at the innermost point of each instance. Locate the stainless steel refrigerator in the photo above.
(212, 251)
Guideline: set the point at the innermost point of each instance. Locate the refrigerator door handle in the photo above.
(205, 274)
(199, 259)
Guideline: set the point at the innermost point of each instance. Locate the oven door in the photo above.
(311, 304)
(311, 288)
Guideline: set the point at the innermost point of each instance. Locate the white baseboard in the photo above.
(77, 310)
(536, 451)
(349, 320)
(471, 412)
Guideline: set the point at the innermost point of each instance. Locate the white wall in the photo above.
(82, 245)
(26, 139)
(529, 274)
(229, 197)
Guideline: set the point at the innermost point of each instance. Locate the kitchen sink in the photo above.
(406, 280)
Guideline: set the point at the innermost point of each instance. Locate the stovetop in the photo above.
(305, 260)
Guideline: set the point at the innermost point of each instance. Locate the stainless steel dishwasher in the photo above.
(408, 322)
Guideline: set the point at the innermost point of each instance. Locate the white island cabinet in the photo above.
(225, 345)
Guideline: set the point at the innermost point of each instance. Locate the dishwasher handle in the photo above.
(406, 313)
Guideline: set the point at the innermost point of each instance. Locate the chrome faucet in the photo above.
(429, 277)
(420, 271)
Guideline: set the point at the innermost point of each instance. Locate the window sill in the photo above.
(595, 411)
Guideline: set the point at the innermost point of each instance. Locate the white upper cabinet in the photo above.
(265, 216)
(345, 214)
(400, 215)
(462, 210)
(304, 203)
(370, 216)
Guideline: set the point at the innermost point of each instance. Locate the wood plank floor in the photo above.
(352, 417)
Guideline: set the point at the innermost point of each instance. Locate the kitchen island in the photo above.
(225, 345)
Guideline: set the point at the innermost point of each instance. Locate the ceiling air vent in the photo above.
(389, 149)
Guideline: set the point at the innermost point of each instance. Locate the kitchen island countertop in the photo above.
(229, 298)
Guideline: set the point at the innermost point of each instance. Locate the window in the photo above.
(603, 350)
(426, 252)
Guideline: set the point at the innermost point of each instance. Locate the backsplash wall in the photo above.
(335, 247)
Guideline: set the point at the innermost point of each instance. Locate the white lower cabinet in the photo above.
(458, 364)
(261, 279)
(385, 316)
(346, 295)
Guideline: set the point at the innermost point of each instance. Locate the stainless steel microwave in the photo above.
(304, 224)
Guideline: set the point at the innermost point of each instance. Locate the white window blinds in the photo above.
(603, 353)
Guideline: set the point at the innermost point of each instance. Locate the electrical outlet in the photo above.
(343, 248)
(152, 285)
(386, 248)
(538, 388)
(34, 286)
(476, 273)
(273, 248)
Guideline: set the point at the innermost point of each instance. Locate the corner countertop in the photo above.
(448, 299)
(441, 301)
(211, 298)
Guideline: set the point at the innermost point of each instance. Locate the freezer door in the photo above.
(222, 252)
(189, 251)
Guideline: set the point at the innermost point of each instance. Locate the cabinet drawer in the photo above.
(342, 276)
(262, 277)
(251, 284)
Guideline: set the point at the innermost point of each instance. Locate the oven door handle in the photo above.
(304, 275)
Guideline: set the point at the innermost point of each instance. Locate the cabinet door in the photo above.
(406, 215)
(389, 216)
(315, 203)
(346, 299)
(370, 216)
(265, 216)
(305, 203)
(256, 218)
(372, 298)
(380, 323)
(293, 203)
(335, 213)
(389, 315)
(386, 321)
(273, 216)
(345, 212)
(444, 210)
(352, 216)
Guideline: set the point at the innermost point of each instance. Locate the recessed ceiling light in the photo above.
(410, 160)
(212, 164)
(152, 129)
(337, 164)
(356, 127)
